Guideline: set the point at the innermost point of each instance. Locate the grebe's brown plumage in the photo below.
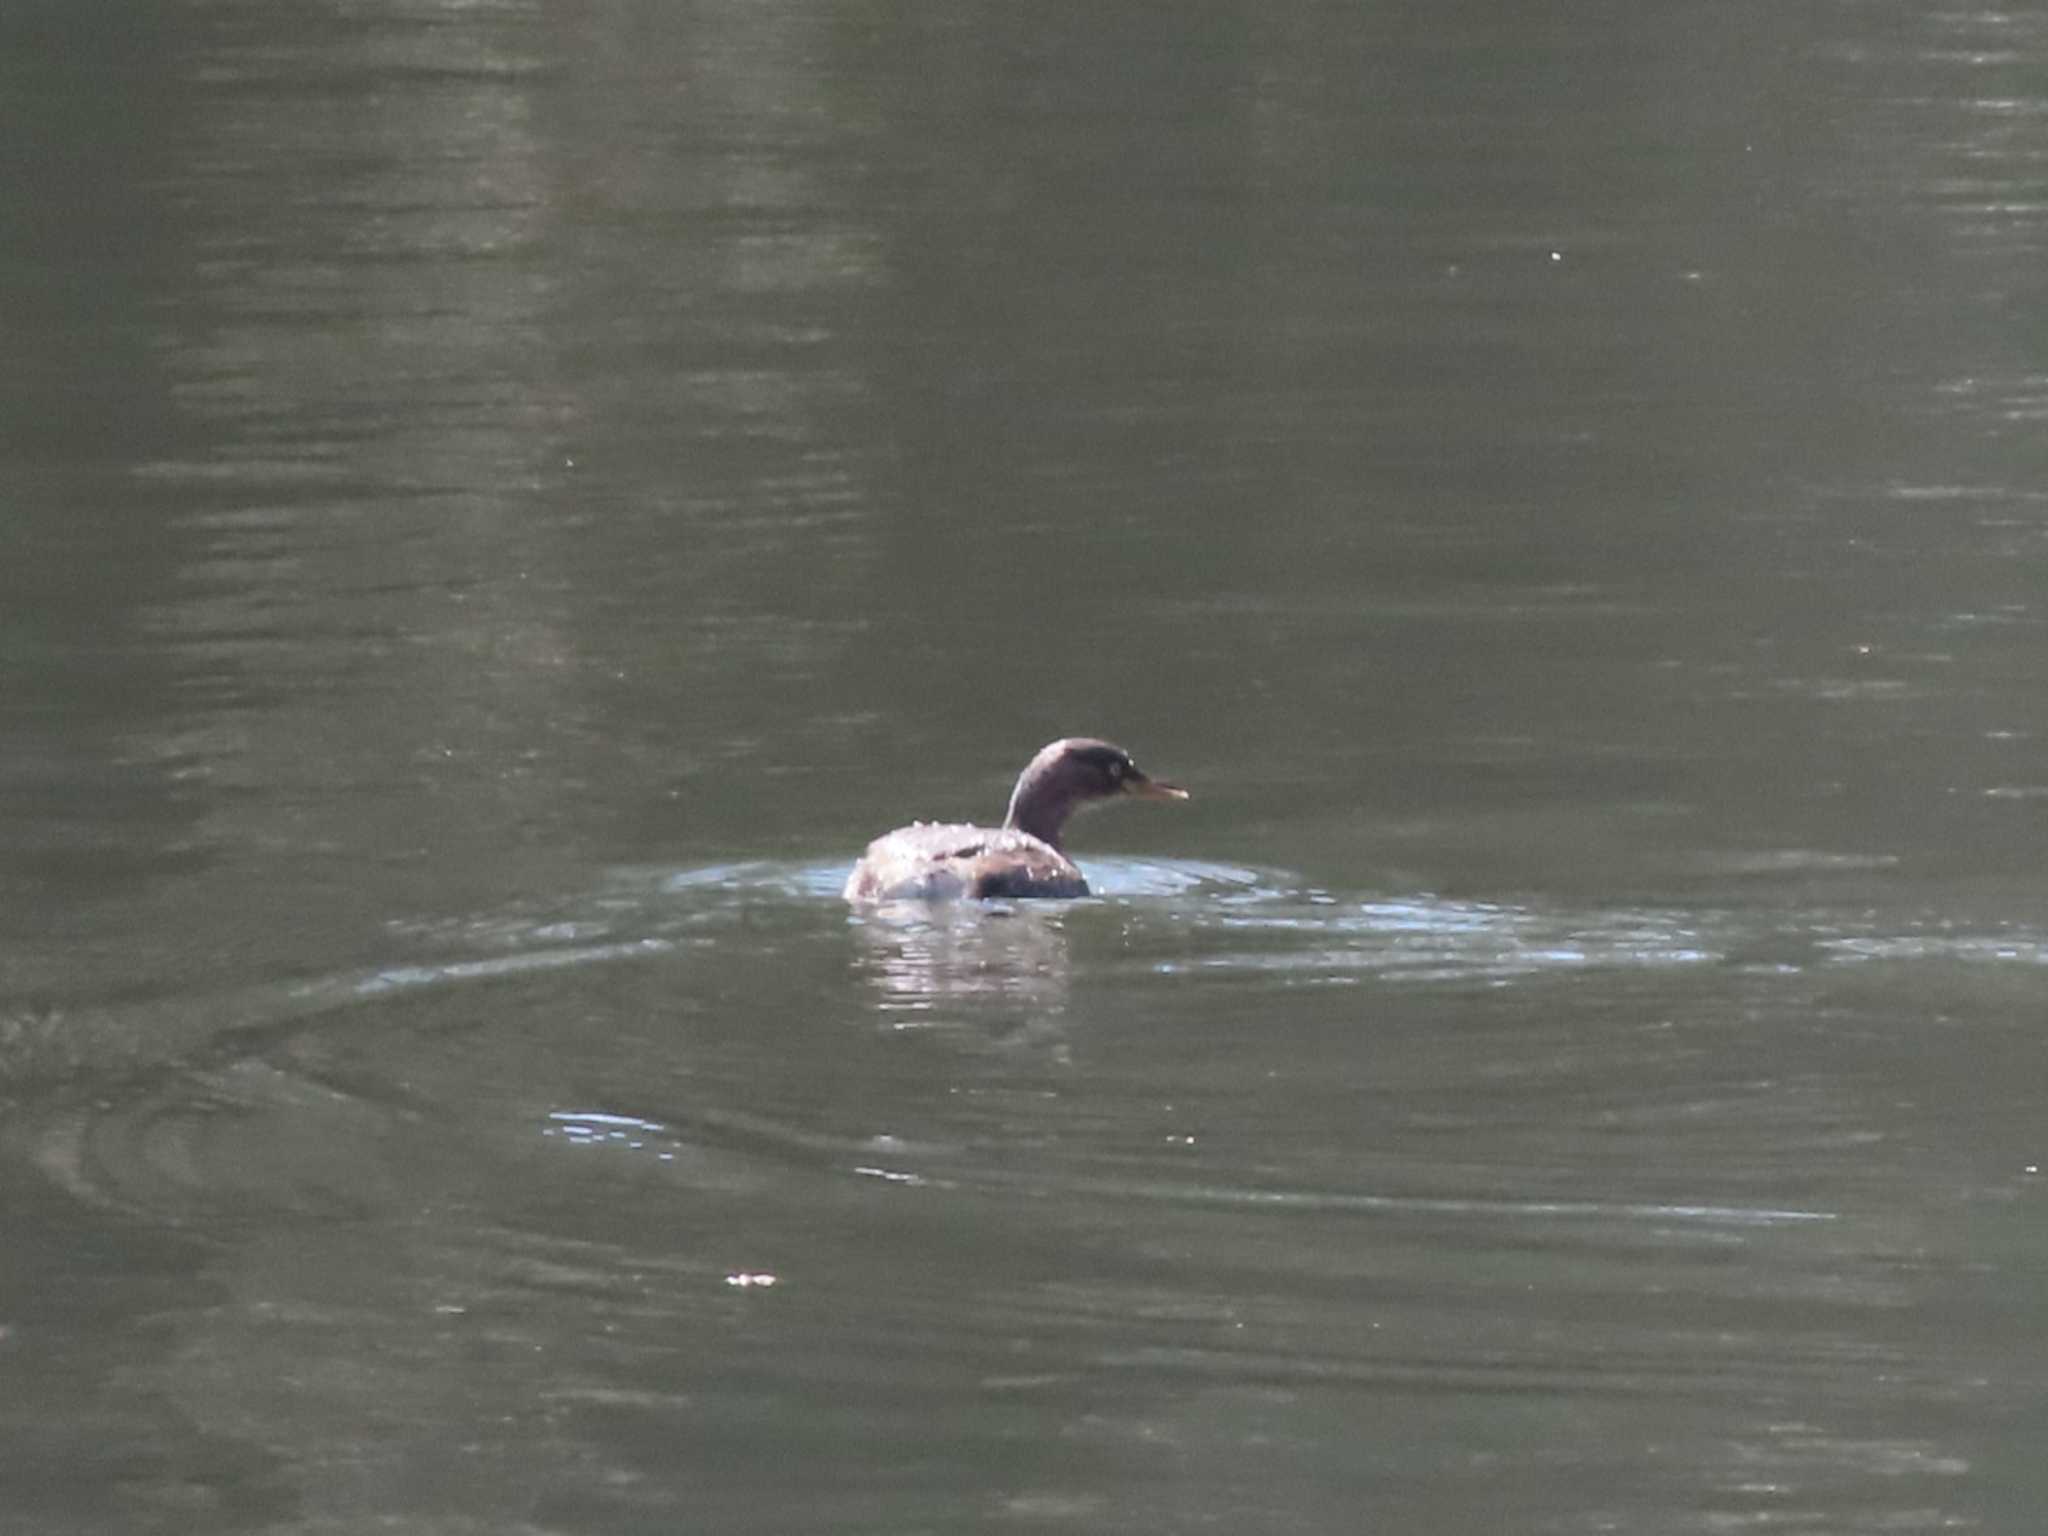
(936, 862)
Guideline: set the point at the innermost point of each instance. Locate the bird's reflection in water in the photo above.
(921, 956)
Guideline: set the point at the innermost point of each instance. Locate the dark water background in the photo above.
(501, 500)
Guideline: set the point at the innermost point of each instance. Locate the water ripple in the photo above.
(1171, 917)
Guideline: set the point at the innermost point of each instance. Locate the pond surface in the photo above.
(502, 502)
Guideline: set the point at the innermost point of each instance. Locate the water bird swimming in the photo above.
(932, 861)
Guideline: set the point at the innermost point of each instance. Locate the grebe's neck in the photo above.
(1043, 799)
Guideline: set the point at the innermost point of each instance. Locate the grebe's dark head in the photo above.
(1072, 773)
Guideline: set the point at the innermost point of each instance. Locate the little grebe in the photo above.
(935, 862)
